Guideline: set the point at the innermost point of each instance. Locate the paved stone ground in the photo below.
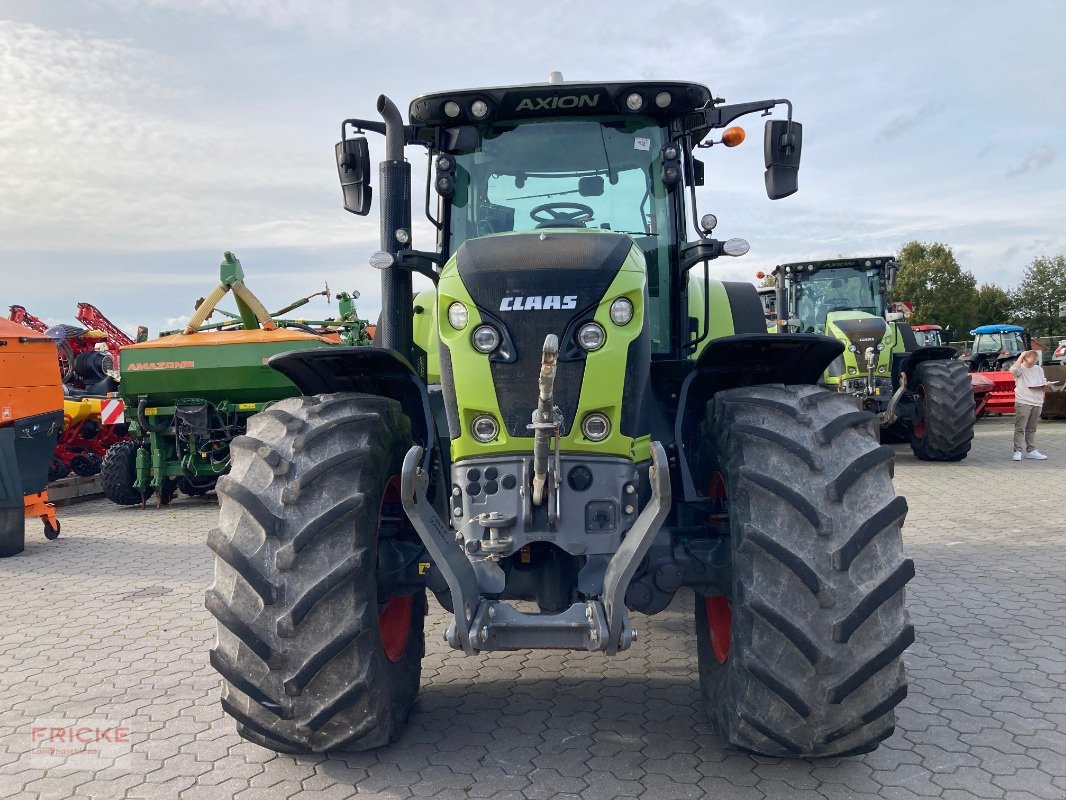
(107, 625)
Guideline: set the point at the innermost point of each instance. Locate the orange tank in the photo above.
(31, 417)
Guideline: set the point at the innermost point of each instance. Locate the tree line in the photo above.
(943, 293)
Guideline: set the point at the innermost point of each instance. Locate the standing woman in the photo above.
(1029, 387)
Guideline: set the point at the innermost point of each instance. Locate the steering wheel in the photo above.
(569, 214)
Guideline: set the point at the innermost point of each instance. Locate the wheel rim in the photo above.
(717, 491)
(394, 621)
(719, 625)
(919, 416)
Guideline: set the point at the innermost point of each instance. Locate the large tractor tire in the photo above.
(12, 532)
(944, 412)
(313, 660)
(118, 472)
(803, 658)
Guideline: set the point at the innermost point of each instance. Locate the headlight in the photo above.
(484, 428)
(591, 336)
(595, 426)
(621, 311)
(880, 347)
(853, 348)
(485, 338)
(634, 102)
(479, 108)
(457, 315)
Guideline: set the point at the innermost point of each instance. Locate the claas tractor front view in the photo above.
(921, 393)
(608, 426)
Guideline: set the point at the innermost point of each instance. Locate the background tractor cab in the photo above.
(929, 335)
(768, 298)
(917, 389)
(996, 347)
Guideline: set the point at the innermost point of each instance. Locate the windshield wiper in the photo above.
(549, 194)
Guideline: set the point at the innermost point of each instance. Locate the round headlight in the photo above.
(634, 102)
(853, 348)
(444, 162)
(451, 108)
(457, 315)
(670, 152)
(880, 347)
(662, 99)
(485, 338)
(485, 428)
(591, 336)
(621, 311)
(595, 426)
(479, 108)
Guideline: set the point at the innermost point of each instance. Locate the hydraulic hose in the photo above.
(142, 418)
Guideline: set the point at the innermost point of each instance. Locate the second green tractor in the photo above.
(575, 424)
(921, 394)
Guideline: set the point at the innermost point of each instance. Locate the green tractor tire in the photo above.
(312, 661)
(942, 429)
(118, 473)
(803, 658)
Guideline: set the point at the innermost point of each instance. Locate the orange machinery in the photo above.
(31, 416)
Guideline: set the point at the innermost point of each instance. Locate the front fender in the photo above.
(749, 359)
(369, 370)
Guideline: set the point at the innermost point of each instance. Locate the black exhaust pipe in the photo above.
(395, 328)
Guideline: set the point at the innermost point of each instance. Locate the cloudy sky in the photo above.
(139, 140)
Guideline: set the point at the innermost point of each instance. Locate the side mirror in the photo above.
(893, 316)
(781, 151)
(353, 168)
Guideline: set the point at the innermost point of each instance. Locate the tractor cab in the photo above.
(996, 347)
(928, 335)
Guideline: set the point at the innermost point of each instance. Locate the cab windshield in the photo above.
(820, 293)
(585, 173)
(928, 338)
(1010, 342)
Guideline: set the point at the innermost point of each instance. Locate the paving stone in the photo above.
(984, 719)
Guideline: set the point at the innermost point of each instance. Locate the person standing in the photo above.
(1029, 387)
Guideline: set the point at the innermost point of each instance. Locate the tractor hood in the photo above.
(856, 330)
(528, 286)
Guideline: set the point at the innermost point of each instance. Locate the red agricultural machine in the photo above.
(88, 360)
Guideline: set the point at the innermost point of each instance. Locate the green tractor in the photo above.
(921, 394)
(572, 426)
(189, 393)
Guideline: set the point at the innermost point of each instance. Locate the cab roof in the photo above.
(662, 100)
(863, 262)
(1001, 328)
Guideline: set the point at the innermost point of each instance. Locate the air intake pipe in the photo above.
(395, 329)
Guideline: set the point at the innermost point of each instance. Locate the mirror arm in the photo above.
(360, 125)
(721, 116)
(420, 261)
(692, 253)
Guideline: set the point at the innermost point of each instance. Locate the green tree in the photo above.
(940, 291)
(1036, 302)
(994, 304)
(768, 280)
